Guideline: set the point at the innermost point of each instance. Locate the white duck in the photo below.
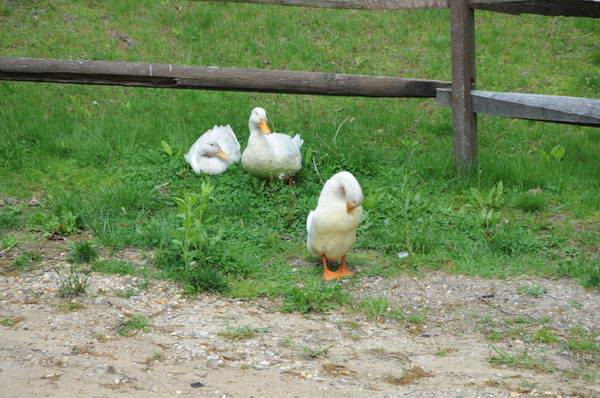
(332, 225)
(214, 151)
(270, 155)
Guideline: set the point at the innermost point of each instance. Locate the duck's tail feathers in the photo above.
(297, 141)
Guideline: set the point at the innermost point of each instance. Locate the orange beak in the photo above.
(349, 207)
(264, 127)
(222, 155)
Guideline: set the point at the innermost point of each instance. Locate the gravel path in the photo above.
(235, 348)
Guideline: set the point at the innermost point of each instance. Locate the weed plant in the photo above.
(83, 252)
(72, 284)
(186, 256)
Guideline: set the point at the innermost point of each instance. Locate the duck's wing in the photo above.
(284, 144)
(309, 220)
(228, 142)
(297, 141)
(193, 154)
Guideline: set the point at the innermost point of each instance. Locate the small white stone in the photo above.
(402, 254)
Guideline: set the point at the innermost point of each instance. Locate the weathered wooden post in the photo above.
(462, 25)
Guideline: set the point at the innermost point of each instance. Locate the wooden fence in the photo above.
(142, 74)
(460, 94)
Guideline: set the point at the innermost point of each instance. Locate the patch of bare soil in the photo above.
(211, 346)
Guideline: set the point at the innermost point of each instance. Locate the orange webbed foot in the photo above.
(327, 273)
(340, 273)
(344, 271)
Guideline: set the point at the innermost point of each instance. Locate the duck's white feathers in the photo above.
(272, 155)
(227, 141)
(331, 228)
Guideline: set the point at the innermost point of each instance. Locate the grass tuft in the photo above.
(531, 202)
(205, 279)
(70, 306)
(25, 261)
(534, 290)
(83, 253)
(583, 345)
(314, 297)
(408, 377)
(591, 279)
(241, 333)
(134, 325)
(9, 218)
(375, 308)
(115, 267)
(314, 353)
(523, 360)
(74, 283)
(545, 335)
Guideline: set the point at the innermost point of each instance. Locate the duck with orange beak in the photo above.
(270, 155)
(214, 151)
(332, 225)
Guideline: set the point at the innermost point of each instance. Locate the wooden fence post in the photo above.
(462, 24)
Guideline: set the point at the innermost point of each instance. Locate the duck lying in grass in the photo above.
(332, 225)
(270, 155)
(214, 151)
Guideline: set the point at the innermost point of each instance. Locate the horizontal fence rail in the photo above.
(141, 74)
(352, 4)
(547, 108)
(570, 8)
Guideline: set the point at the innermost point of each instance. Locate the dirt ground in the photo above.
(212, 346)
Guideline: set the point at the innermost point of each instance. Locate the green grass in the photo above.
(8, 242)
(314, 297)
(522, 360)
(531, 202)
(534, 290)
(115, 267)
(134, 325)
(375, 307)
(70, 306)
(241, 333)
(8, 322)
(97, 153)
(9, 218)
(25, 261)
(83, 252)
(314, 353)
(126, 293)
(583, 345)
(545, 335)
